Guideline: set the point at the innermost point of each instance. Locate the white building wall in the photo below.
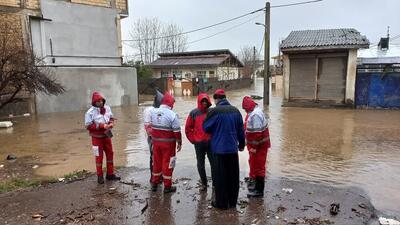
(117, 84)
(351, 76)
(76, 34)
(228, 73)
(192, 73)
(286, 77)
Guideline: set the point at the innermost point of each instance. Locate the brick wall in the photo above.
(11, 25)
(28, 4)
(119, 4)
(103, 3)
(32, 4)
(11, 3)
(122, 5)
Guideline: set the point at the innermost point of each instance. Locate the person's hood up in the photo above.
(168, 100)
(97, 97)
(157, 99)
(248, 104)
(200, 98)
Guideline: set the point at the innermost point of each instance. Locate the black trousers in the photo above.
(226, 179)
(203, 149)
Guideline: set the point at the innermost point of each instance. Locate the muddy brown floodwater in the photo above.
(339, 147)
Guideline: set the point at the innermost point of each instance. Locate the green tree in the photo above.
(143, 71)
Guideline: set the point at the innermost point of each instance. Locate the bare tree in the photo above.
(145, 31)
(21, 70)
(173, 42)
(151, 36)
(249, 58)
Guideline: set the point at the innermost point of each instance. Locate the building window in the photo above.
(211, 73)
(188, 75)
(164, 74)
(177, 75)
(201, 74)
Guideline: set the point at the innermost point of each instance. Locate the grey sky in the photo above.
(370, 17)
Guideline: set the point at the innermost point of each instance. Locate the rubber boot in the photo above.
(169, 189)
(100, 179)
(259, 188)
(251, 184)
(112, 177)
(154, 187)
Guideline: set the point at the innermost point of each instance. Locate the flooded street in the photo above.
(339, 147)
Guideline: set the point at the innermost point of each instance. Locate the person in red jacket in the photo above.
(99, 121)
(165, 136)
(196, 135)
(258, 143)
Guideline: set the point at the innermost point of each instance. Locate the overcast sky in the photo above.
(370, 17)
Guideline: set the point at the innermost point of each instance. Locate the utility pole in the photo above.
(266, 53)
(254, 63)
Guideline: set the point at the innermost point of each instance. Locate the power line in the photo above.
(198, 29)
(226, 30)
(220, 23)
(297, 3)
(390, 39)
(212, 35)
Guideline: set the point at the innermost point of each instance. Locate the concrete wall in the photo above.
(118, 85)
(351, 76)
(18, 108)
(77, 34)
(277, 82)
(286, 77)
(212, 84)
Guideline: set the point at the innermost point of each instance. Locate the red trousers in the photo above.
(162, 154)
(257, 161)
(100, 146)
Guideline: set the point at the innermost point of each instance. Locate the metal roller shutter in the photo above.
(332, 78)
(302, 78)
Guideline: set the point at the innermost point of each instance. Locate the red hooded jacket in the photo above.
(94, 130)
(194, 122)
(256, 137)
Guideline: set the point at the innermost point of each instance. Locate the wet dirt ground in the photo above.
(331, 147)
(131, 202)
